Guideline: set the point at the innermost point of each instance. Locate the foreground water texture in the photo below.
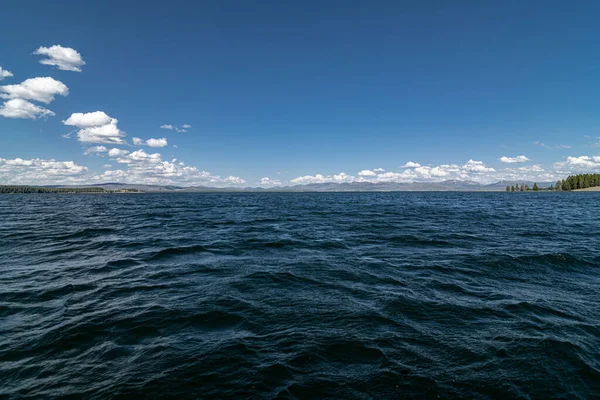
(300, 295)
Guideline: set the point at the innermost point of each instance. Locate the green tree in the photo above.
(535, 187)
(512, 188)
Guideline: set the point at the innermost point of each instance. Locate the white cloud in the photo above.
(342, 177)
(477, 166)
(513, 160)
(186, 126)
(580, 163)
(236, 180)
(64, 58)
(471, 170)
(180, 129)
(367, 172)
(266, 181)
(39, 89)
(411, 164)
(5, 74)
(138, 155)
(19, 108)
(145, 168)
(38, 171)
(379, 170)
(117, 152)
(167, 126)
(532, 168)
(19, 162)
(96, 150)
(108, 134)
(96, 127)
(88, 120)
(162, 142)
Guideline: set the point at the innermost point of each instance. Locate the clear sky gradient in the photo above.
(309, 89)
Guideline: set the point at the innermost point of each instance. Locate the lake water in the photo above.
(300, 295)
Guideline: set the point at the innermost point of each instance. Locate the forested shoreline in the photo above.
(35, 189)
(573, 182)
(581, 181)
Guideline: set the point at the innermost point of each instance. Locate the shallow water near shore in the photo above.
(300, 295)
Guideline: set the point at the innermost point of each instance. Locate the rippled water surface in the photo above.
(300, 295)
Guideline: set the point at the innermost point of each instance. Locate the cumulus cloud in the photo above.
(579, 163)
(167, 126)
(162, 142)
(367, 172)
(146, 168)
(88, 120)
(138, 167)
(471, 170)
(379, 170)
(117, 152)
(186, 126)
(266, 181)
(96, 150)
(477, 166)
(5, 74)
(342, 177)
(64, 58)
(411, 164)
(96, 127)
(513, 160)
(236, 180)
(38, 89)
(19, 108)
(39, 171)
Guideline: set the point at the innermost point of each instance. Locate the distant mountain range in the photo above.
(445, 186)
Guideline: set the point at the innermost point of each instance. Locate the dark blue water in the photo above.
(342, 295)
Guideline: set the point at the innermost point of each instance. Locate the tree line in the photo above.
(581, 181)
(573, 182)
(34, 189)
(523, 188)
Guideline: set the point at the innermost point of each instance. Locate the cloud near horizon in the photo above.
(472, 170)
(19, 171)
(266, 181)
(139, 167)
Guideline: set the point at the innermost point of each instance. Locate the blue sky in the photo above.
(298, 92)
